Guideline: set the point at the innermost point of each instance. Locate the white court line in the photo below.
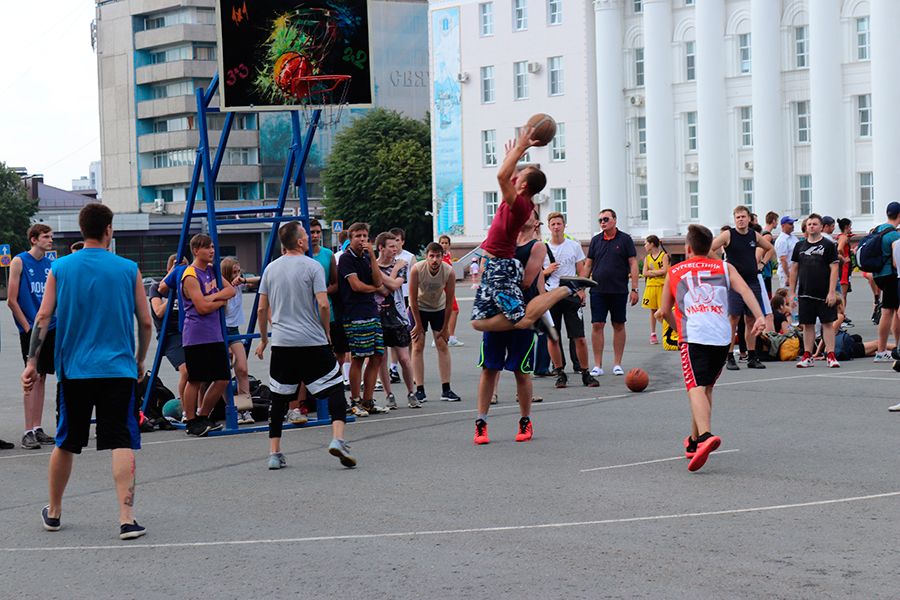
(650, 462)
(402, 534)
(894, 379)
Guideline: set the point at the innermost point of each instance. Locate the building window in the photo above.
(171, 55)
(804, 134)
(168, 90)
(691, 119)
(489, 147)
(554, 12)
(486, 18)
(693, 200)
(174, 158)
(558, 145)
(805, 186)
(746, 126)
(520, 15)
(526, 158)
(560, 201)
(747, 193)
(866, 193)
(638, 6)
(205, 53)
(520, 79)
(487, 84)
(862, 38)
(239, 156)
(639, 67)
(556, 80)
(688, 2)
(690, 62)
(642, 135)
(490, 207)
(801, 46)
(643, 206)
(864, 112)
(744, 48)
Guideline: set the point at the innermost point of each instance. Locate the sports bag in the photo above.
(869, 254)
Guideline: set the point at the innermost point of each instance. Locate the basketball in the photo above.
(172, 409)
(637, 380)
(544, 128)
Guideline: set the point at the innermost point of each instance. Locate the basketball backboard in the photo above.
(275, 54)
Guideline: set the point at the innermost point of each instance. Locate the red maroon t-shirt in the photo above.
(504, 230)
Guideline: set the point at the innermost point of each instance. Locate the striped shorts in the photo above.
(365, 337)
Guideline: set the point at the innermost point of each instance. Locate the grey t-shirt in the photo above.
(291, 283)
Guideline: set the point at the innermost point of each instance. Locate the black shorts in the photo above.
(809, 309)
(174, 351)
(207, 362)
(888, 286)
(737, 306)
(45, 362)
(569, 311)
(117, 421)
(339, 343)
(701, 364)
(432, 318)
(314, 366)
(615, 305)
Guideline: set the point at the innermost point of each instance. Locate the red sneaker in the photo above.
(690, 447)
(481, 432)
(704, 449)
(525, 430)
(832, 361)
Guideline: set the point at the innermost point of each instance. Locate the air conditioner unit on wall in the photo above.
(642, 172)
(693, 168)
(637, 100)
(462, 77)
(159, 206)
(748, 164)
(534, 67)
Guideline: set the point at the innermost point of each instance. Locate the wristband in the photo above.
(634, 290)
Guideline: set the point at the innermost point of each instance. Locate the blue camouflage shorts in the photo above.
(500, 291)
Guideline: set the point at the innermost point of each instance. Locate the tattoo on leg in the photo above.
(129, 496)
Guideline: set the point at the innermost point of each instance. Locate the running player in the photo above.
(97, 362)
(699, 289)
(655, 268)
(28, 273)
(292, 294)
(499, 305)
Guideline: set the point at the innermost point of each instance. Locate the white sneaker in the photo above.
(894, 408)
(617, 370)
(596, 371)
(455, 342)
(881, 357)
(296, 417)
(379, 387)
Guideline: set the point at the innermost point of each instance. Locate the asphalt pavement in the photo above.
(801, 501)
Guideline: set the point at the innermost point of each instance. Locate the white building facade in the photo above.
(685, 108)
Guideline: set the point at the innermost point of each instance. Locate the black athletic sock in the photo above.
(420, 388)
(704, 437)
(751, 354)
(445, 387)
(524, 419)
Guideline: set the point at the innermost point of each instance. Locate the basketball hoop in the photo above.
(327, 93)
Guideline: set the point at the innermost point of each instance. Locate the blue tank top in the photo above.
(31, 286)
(95, 315)
(324, 259)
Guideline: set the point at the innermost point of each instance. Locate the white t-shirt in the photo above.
(784, 246)
(410, 259)
(567, 255)
(234, 308)
(473, 268)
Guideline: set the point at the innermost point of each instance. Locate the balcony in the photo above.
(140, 7)
(176, 105)
(182, 175)
(165, 36)
(177, 208)
(177, 69)
(174, 140)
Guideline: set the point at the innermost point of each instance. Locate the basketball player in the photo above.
(700, 289)
(96, 359)
(499, 305)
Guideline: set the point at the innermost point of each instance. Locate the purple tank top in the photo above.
(200, 329)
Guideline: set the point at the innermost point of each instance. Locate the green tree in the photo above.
(379, 172)
(16, 210)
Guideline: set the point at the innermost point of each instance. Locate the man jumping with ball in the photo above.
(499, 304)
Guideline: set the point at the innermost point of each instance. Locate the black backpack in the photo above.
(159, 395)
(869, 254)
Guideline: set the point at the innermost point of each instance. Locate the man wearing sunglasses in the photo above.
(611, 261)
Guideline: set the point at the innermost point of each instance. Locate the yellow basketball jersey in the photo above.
(656, 264)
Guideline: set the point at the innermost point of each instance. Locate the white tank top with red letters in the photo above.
(700, 286)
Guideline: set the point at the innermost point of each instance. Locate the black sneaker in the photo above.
(421, 397)
(198, 427)
(131, 531)
(589, 381)
(213, 425)
(146, 426)
(562, 380)
(449, 396)
(43, 438)
(730, 364)
(4, 445)
(577, 283)
(49, 523)
(395, 376)
(755, 363)
(29, 441)
(163, 424)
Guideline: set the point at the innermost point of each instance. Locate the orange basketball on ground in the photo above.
(637, 380)
(544, 128)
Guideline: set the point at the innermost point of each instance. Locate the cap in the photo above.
(826, 220)
(786, 219)
(893, 209)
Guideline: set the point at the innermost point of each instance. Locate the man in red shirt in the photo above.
(499, 304)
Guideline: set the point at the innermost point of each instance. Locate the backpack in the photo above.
(159, 395)
(869, 254)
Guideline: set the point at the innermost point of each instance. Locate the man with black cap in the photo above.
(886, 280)
(784, 248)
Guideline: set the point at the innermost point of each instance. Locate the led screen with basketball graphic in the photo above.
(274, 54)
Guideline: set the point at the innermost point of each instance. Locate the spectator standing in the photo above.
(234, 318)
(886, 280)
(444, 241)
(174, 350)
(768, 232)
(784, 249)
(410, 259)
(843, 249)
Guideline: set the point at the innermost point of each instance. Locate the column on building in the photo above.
(712, 119)
(612, 168)
(662, 176)
(885, 23)
(769, 189)
(829, 177)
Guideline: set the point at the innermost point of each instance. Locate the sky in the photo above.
(49, 115)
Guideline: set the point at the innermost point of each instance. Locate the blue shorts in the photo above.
(500, 291)
(511, 350)
(737, 306)
(613, 304)
(365, 337)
